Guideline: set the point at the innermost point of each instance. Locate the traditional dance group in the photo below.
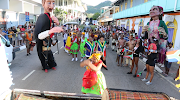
(92, 46)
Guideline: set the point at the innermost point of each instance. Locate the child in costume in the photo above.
(150, 63)
(157, 28)
(50, 62)
(82, 44)
(97, 83)
(74, 47)
(101, 45)
(90, 47)
(68, 43)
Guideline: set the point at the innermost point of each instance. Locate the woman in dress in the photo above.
(94, 64)
(83, 41)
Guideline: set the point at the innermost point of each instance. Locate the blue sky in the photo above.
(95, 2)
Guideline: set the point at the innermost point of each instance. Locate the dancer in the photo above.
(82, 44)
(74, 47)
(47, 53)
(97, 83)
(90, 47)
(130, 47)
(43, 27)
(68, 44)
(101, 45)
(150, 63)
(157, 28)
(137, 49)
(120, 50)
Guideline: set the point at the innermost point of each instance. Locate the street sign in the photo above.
(27, 16)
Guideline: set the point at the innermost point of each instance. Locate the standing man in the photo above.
(43, 28)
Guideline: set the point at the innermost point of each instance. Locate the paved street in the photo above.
(28, 74)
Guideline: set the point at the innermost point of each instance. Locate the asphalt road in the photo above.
(27, 73)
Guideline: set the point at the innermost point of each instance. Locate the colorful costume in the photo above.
(154, 32)
(82, 49)
(91, 46)
(74, 46)
(68, 44)
(102, 47)
(100, 85)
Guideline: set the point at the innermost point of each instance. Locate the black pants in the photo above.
(49, 61)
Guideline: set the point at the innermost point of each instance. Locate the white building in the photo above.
(106, 16)
(74, 8)
(12, 12)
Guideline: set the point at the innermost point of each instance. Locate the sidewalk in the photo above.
(172, 72)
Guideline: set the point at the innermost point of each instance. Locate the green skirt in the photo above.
(74, 48)
(82, 50)
(99, 87)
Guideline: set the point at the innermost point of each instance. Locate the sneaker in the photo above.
(134, 75)
(53, 68)
(72, 59)
(129, 72)
(162, 65)
(27, 55)
(76, 59)
(144, 80)
(81, 60)
(46, 70)
(148, 83)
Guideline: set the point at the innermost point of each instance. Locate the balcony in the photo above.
(143, 9)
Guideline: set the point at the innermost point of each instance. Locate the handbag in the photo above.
(89, 79)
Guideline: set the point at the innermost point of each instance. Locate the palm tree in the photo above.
(60, 14)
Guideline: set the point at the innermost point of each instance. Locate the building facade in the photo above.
(106, 16)
(75, 10)
(12, 12)
(134, 14)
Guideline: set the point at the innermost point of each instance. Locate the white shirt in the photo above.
(169, 49)
(65, 36)
(87, 35)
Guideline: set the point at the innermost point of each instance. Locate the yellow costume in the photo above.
(68, 44)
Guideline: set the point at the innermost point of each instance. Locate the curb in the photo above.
(16, 49)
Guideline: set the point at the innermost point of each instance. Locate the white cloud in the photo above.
(94, 2)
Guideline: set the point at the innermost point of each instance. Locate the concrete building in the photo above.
(75, 9)
(106, 16)
(134, 14)
(12, 12)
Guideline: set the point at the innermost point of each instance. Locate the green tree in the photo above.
(95, 16)
(60, 14)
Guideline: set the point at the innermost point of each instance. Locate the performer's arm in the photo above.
(93, 67)
(43, 35)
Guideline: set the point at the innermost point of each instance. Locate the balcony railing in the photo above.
(143, 9)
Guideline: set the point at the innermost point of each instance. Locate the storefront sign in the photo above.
(169, 18)
(27, 16)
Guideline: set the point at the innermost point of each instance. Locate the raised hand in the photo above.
(55, 20)
(145, 28)
(55, 30)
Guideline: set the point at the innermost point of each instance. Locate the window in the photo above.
(121, 7)
(131, 3)
(145, 1)
(125, 5)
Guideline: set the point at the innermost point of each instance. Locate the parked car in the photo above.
(10, 54)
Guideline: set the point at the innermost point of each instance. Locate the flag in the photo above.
(173, 56)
